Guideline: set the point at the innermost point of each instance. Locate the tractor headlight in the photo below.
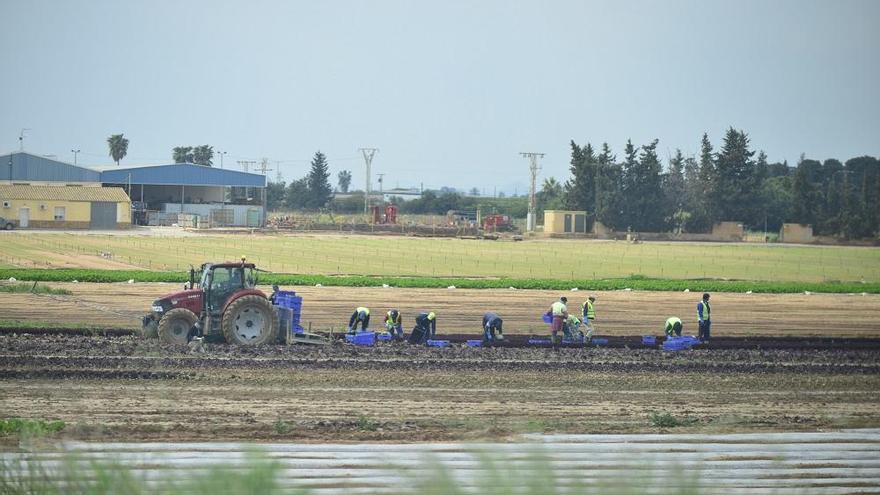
(157, 308)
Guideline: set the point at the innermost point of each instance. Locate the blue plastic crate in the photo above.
(547, 318)
(599, 341)
(298, 329)
(475, 343)
(437, 343)
(649, 340)
(539, 341)
(362, 338)
(384, 337)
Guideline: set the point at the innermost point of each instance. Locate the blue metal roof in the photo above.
(182, 174)
(27, 167)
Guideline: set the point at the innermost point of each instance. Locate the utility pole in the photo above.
(221, 153)
(264, 167)
(21, 139)
(368, 160)
(246, 164)
(75, 152)
(533, 171)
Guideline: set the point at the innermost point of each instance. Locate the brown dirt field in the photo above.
(125, 388)
(461, 310)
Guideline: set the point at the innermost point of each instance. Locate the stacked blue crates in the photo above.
(288, 299)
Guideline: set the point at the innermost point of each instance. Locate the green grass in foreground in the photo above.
(633, 282)
(29, 427)
(259, 475)
(453, 258)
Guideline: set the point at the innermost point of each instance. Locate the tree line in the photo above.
(735, 183)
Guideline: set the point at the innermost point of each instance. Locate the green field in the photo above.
(407, 256)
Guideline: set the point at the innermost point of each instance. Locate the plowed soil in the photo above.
(125, 388)
(460, 311)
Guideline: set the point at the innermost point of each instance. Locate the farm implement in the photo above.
(225, 305)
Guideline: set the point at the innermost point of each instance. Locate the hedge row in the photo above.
(635, 283)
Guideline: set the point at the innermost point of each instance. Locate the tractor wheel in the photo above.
(250, 320)
(175, 324)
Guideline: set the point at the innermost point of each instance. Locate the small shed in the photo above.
(565, 222)
(796, 233)
(65, 207)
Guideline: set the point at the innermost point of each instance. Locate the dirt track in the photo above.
(460, 311)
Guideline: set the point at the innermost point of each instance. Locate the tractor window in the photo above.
(250, 278)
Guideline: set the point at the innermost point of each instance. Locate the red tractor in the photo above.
(225, 303)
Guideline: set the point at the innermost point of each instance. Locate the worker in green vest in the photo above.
(570, 328)
(589, 316)
(704, 317)
(673, 326)
(361, 315)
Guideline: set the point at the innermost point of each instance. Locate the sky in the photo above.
(450, 91)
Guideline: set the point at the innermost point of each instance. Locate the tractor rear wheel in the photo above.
(175, 324)
(250, 320)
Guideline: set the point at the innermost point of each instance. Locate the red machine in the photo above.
(497, 223)
(385, 215)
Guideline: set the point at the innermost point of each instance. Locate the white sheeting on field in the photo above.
(779, 463)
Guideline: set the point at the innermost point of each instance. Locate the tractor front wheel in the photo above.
(250, 320)
(175, 324)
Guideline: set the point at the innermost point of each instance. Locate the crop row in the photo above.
(634, 283)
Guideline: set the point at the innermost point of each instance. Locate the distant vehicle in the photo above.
(6, 224)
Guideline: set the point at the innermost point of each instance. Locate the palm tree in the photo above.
(118, 147)
(344, 179)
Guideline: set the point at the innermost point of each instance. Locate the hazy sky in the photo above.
(450, 91)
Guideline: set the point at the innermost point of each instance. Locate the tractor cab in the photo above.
(220, 281)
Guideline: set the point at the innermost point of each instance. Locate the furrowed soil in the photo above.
(121, 387)
(460, 310)
(126, 388)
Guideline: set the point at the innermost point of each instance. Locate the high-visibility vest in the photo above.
(365, 311)
(390, 317)
(589, 311)
(671, 321)
(558, 308)
(707, 311)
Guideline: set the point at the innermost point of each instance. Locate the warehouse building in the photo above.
(28, 169)
(204, 195)
(183, 193)
(53, 207)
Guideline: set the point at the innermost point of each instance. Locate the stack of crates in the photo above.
(288, 299)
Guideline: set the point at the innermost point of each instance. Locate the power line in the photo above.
(533, 171)
(368, 153)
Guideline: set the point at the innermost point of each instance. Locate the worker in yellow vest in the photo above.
(394, 324)
(361, 315)
(673, 326)
(704, 317)
(589, 316)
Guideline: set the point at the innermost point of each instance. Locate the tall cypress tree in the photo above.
(318, 184)
(580, 188)
(735, 188)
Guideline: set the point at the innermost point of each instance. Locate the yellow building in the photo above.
(65, 207)
(565, 222)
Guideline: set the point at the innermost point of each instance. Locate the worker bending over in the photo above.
(559, 311)
(426, 328)
(673, 326)
(570, 328)
(361, 315)
(589, 316)
(394, 324)
(704, 317)
(492, 328)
